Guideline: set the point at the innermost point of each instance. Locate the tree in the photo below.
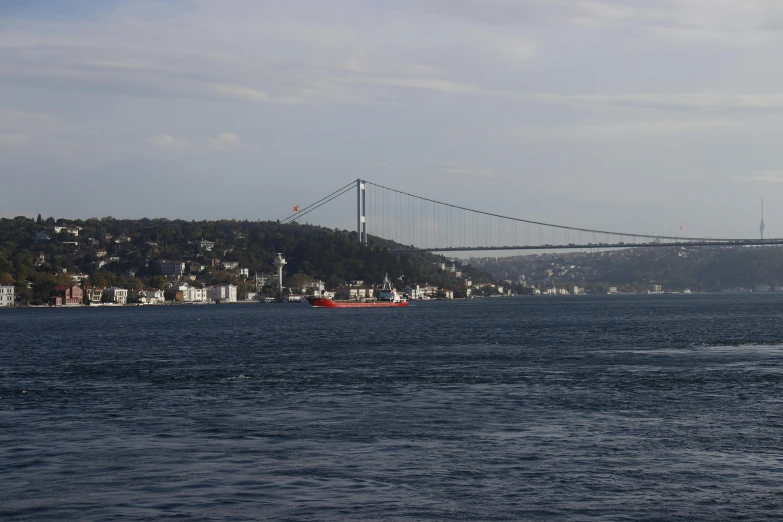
(63, 279)
(299, 281)
(157, 282)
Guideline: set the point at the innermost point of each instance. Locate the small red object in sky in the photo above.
(682, 227)
(296, 208)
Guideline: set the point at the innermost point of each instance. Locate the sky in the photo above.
(638, 115)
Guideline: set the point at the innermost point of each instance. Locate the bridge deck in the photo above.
(572, 246)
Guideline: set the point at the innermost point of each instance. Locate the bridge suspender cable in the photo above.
(562, 227)
(433, 234)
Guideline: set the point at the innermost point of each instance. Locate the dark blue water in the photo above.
(602, 408)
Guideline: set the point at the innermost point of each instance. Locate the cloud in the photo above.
(247, 93)
(766, 176)
(167, 141)
(628, 128)
(13, 139)
(468, 172)
(707, 100)
(223, 141)
(220, 143)
(25, 129)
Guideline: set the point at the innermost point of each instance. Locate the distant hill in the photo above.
(674, 268)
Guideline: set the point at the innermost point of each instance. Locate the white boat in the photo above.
(389, 293)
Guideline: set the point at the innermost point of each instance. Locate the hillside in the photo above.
(125, 253)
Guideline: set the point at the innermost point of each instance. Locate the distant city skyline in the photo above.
(635, 117)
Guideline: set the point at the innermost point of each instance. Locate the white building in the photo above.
(117, 295)
(230, 265)
(420, 292)
(207, 245)
(262, 280)
(223, 293)
(74, 231)
(194, 294)
(191, 294)
(6, 295)
(171, 268)
(149, 296)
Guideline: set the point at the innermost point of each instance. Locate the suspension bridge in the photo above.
(419, 223)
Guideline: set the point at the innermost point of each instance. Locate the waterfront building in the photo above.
(66, 295)
(93, 295)
(117, 295)
(193, 294)
(6, 295)
(223, 293)
(146, 296)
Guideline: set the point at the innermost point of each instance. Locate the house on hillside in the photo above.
(171, 268)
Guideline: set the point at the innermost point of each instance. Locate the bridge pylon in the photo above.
(361, 211)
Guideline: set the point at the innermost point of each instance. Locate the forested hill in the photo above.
(128, 245)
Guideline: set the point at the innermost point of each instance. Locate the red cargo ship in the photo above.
(325, 302)
(388, 297)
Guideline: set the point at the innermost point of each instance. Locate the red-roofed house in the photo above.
(66, 295)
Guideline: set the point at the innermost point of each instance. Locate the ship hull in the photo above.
(321, 302)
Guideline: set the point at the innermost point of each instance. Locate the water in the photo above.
(557, 408)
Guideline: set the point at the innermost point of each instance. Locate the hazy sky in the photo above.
(634, 115)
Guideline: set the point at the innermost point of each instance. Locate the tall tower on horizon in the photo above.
(761, 227)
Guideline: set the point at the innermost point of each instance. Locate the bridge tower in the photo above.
(761, 227)
(361, 211)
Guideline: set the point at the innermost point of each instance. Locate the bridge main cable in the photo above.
(309, 208)
(562, 227)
